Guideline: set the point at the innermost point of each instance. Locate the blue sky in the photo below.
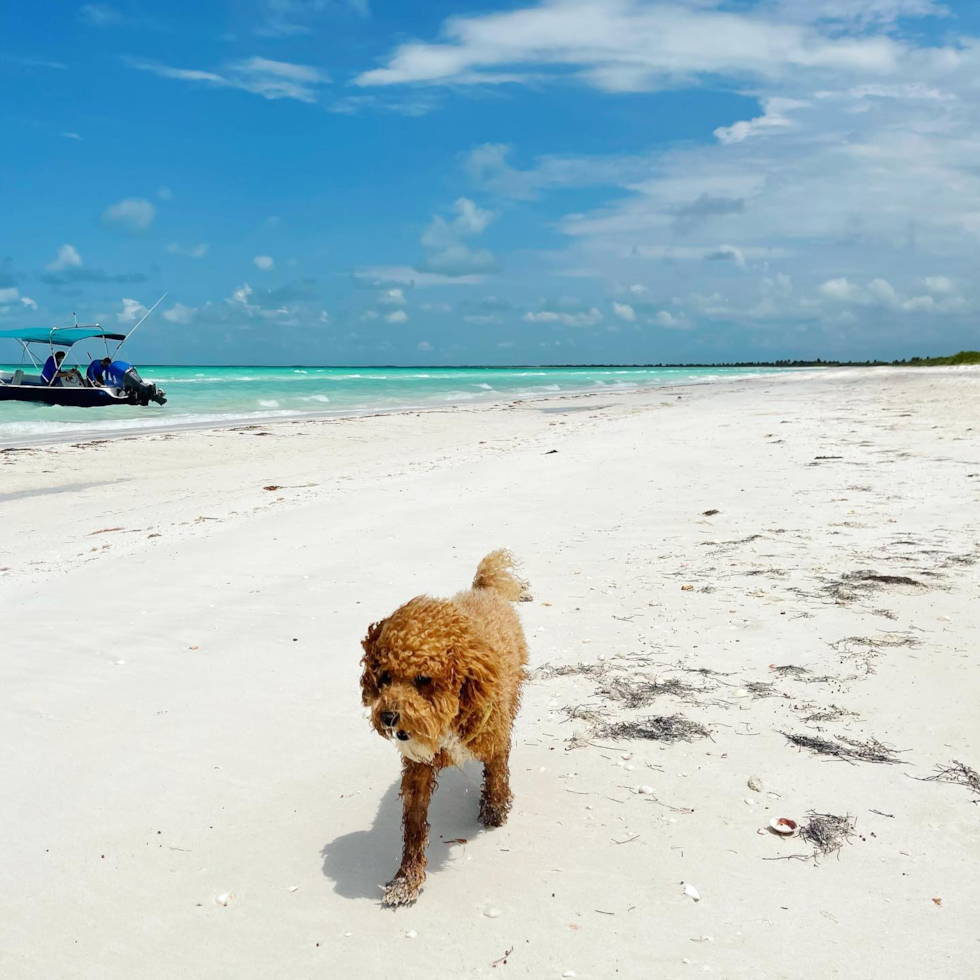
(372, 181)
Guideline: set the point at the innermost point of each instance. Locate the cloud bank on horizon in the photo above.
(564, 181)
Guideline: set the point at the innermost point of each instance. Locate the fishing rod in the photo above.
(141, 319)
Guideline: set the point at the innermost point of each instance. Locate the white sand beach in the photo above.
(180, 714)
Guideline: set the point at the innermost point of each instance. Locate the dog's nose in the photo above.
(389, 718)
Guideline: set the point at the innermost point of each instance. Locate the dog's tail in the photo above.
(496, 572)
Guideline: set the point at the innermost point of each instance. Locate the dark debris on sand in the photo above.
(956, 772)
(655, 728)
(855, 585)
(848, 749)
(827, 832)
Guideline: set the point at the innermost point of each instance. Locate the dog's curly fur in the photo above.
(444, 676)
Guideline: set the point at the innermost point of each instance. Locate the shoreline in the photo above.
(257, 418)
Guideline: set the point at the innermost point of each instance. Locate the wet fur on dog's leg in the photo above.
(418, 784)
(496, 796)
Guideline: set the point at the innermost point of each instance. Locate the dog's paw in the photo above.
(400, 891)
(492, 815)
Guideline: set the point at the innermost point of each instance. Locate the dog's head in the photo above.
(427, 677)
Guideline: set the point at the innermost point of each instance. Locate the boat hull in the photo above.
(72, 397)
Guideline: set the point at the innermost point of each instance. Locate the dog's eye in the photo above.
(384, 679)
(421, 681)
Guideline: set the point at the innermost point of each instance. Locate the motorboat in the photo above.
(70, 386)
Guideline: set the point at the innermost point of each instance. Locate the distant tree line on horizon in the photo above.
(963, 357)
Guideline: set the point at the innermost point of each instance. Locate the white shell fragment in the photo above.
(293, 888)
(692, 892)
(749, 801)
(569, 973)
(492, 912)
(783, 825)
(223, 899)
(740, 692)
(755, 784)
(645, 790)
(411, 934)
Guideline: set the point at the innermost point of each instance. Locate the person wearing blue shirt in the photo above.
(51, 373)
(96, 373)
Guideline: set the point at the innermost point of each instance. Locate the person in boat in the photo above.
(96, 373)
(51, 373)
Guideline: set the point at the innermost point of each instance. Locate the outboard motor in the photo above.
(142, 392)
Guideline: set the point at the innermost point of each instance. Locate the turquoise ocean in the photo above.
(206, 396)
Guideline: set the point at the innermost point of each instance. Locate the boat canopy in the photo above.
(59, 336)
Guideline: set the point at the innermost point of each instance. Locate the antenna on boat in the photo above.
(141, 319)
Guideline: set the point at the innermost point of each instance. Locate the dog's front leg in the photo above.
(418, 782)
(496, 797)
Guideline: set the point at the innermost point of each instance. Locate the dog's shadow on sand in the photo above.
(361, 862)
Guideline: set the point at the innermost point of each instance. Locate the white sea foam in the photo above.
(269, 403)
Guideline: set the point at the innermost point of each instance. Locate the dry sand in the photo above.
(180, 720)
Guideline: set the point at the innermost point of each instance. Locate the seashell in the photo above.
(569, 973)
(783, 825)
(492, 913)
(293, 888)
(740, 692)
(223, 899)
(749, 801)
(645, 790)
(755, 784)
(692, 892)
(411, 934)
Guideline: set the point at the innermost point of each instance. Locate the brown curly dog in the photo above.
(443, 677)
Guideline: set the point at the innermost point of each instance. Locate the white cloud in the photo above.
(99, 15)
(939, 284)
(840, 289)
(631, 45)
(134, 214)
(392, 297)
(726, 253)
(581, 319)
(241, 300)
(165, 194)
(423, 345)
(412, 277)
(9, 294)
(190, 251)
(637, 289)
(260, 76)
(665, 319)
(624, 311)
(131, 311)
(263, 262)
(881, 293)
(179, 313)
(71, 136)
(446, 252)
(437, 307)
(397, 316)
(774, 118)
(68, 258)
(28, 302)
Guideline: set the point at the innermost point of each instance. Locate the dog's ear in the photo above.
(369, 682)
(478, 675)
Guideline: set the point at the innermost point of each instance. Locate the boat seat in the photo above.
(18, 378)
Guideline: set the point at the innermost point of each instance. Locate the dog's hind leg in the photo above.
(496, 796)
(418, 782)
